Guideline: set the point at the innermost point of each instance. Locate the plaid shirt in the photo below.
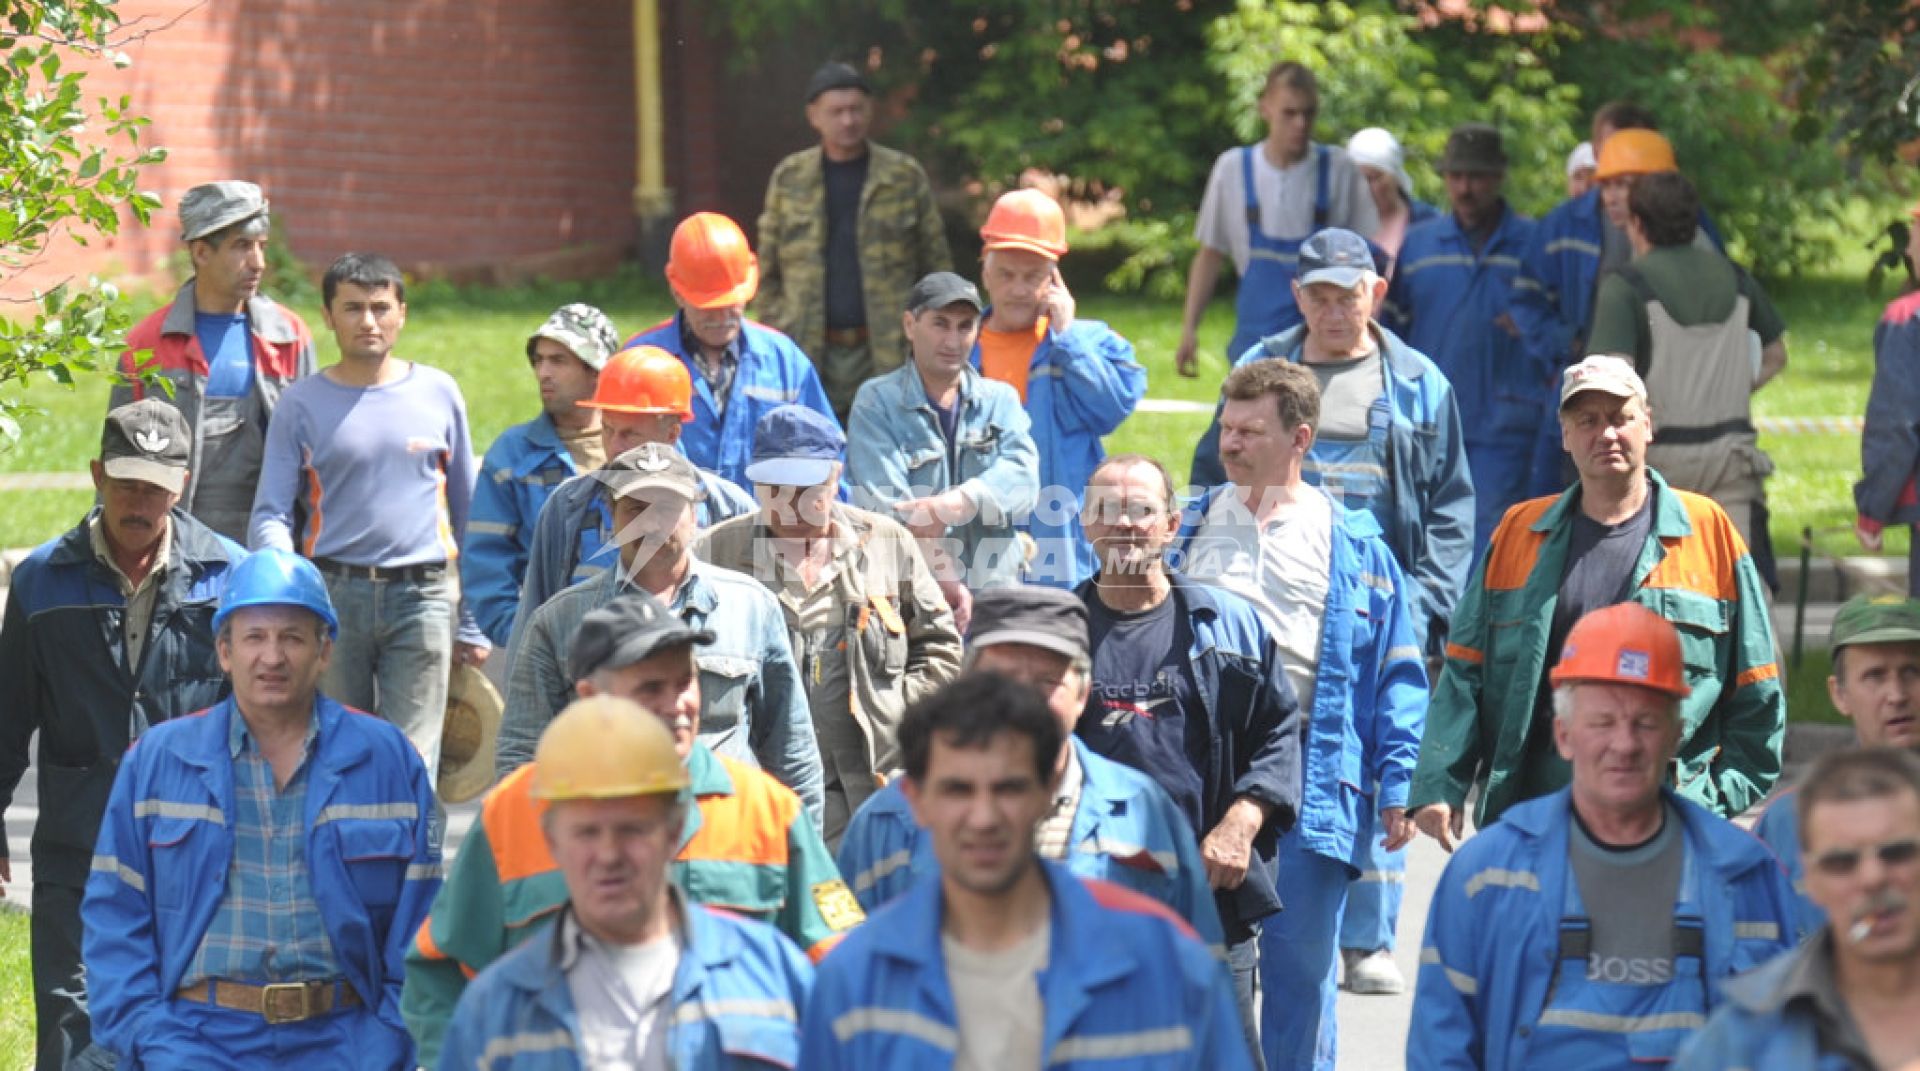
(268, 926)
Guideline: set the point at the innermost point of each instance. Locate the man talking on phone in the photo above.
(1077, 378)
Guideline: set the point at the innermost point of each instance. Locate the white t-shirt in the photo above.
(623, 995)
(1280, 568)
(996, 999)
(1286, 201)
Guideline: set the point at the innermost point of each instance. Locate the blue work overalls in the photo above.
(1587, 1023)
(1265, 304)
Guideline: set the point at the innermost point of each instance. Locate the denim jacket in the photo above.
(753, 707)
(895, 452)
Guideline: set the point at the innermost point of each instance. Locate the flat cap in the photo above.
(209, 207)
(1049, 618)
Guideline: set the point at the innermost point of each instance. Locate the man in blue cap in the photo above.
(263, 865)
(865, 617)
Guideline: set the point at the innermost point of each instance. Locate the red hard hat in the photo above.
(645, 379)
(1029, 220)
(710, 264)
(1624, 644)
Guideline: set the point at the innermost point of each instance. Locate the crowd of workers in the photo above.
(860, 712)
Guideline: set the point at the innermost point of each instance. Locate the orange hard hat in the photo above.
(1624, 644)
(644, 379)
(710, 264)
(1029, 220)
(1635, 152)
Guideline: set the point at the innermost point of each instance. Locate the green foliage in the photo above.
(67, 171)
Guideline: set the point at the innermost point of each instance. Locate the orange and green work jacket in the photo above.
(749, 848)
(1694, 571)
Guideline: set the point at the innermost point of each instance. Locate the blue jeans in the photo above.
(394, 654)
(1298, 972)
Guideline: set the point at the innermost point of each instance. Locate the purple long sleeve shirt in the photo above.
(382, 475)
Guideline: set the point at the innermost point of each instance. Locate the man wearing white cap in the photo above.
(1620, 534)
(227, 349)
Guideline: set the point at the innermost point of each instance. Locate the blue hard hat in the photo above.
(272, 577)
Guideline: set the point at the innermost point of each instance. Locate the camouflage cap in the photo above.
(583, 329)
(1876, 619)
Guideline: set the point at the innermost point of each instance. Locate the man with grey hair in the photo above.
(1587, 927)
(1849, 997)
(227, 350)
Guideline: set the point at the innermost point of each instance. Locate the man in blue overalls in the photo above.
(1261, 202)
(1592, 927)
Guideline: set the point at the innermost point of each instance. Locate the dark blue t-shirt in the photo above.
(229, 352)
(1142, 710)
(846, 296)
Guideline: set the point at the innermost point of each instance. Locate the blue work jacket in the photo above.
(167, 843)
(1254, 729)
(1430, 488)
(1370, 687)
(1082, 383)
(1445, 300)
(1779, 827)
(518, 475)
(1126, 831)
(572, 537)
(772, 372)
(738, 993)
(1492, 945)
(1125, 989)
(896, 452)
(1762, 1025)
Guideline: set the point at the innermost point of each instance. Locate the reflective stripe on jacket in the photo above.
(748, 848)
(1125, 831)
(1492, 940)
(1370, 695)
(772, 372)
(167, 842)
(1693, 571)
(1081, 384)
(1758, 1028)
(517, 477)
(1445, 301)
(1126, 988)
(739, 990)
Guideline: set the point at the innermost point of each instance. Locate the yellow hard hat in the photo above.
(603, 747)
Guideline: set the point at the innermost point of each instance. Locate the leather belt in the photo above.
(846, 336)
(280, 1002)
(424, 573)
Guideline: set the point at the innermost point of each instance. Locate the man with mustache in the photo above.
(108, 630)
(1620, 534)
(1848, 999)
(741, 370)
(1876, 685)
(227, 350)
(1590, 927)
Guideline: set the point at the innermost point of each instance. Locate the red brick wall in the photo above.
(450, 133)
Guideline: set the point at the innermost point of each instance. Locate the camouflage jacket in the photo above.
(900, 235)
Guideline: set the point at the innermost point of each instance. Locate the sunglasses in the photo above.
(1839, 864)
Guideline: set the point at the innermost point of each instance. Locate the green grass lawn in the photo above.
(16, 992)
